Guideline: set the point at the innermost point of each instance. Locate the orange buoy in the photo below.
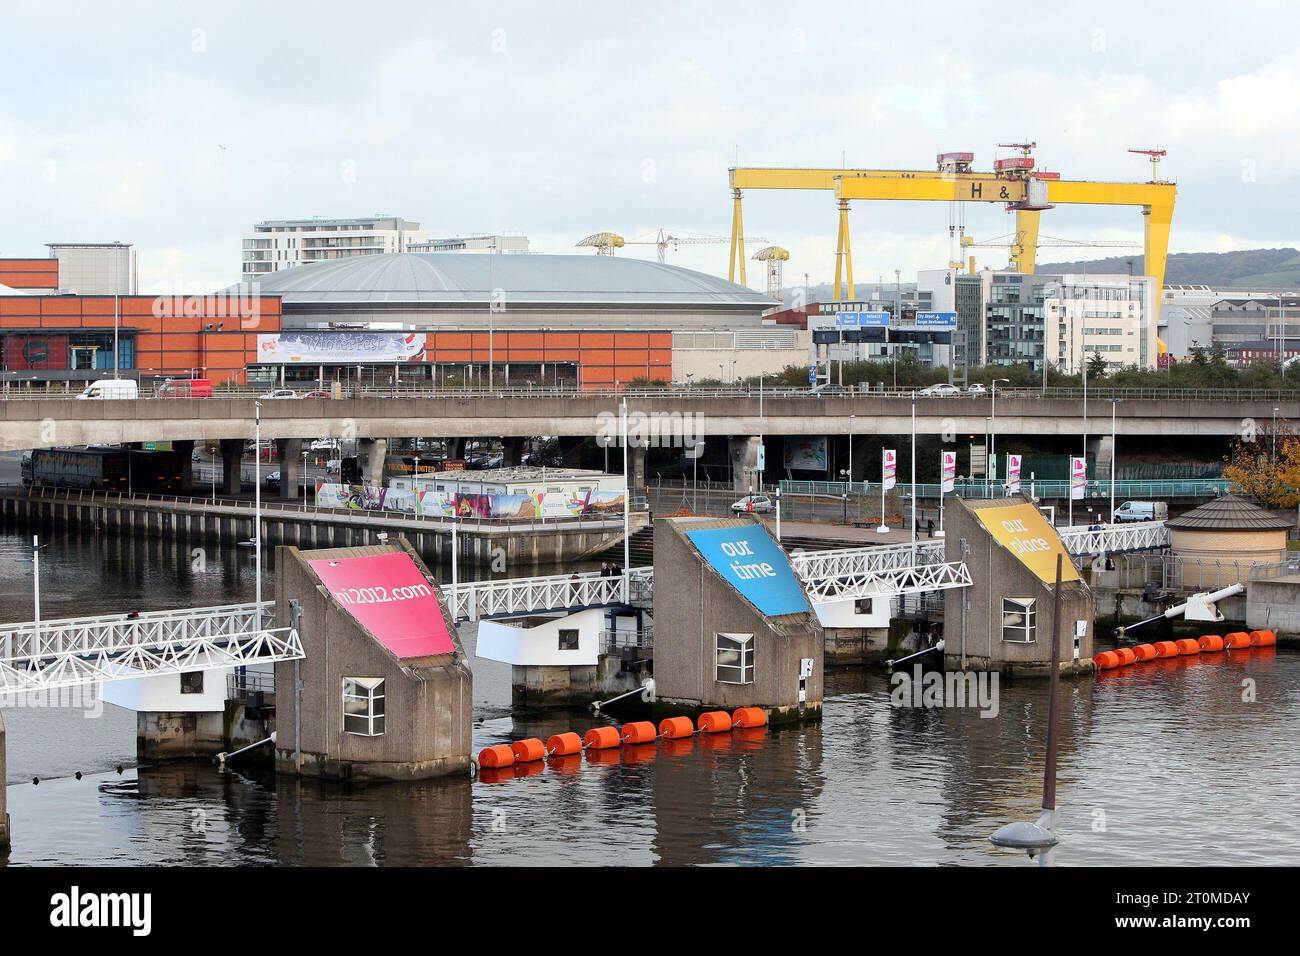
(674, 728)
(528, 750)
(715, 722)
(1165, 649)
(563, 745)
(1105, 660)
(498, 756)
(1237, 639)
(1262, 638)
(1187, 646)
(1125, 655)
(1210, 643)
(639, 732)
(601, 738)
(1144, 652)
(749, 717)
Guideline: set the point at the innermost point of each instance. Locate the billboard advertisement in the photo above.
(808, 454)
(889, 467)
(948, 470)
(339, 348)
(1023, 531)
(389, 596)
(1078, 478)
(752, 563)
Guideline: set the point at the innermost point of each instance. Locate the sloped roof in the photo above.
(460, 278)
(1229, 513)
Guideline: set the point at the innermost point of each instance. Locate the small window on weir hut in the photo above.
(363, 706)
(1019, 620)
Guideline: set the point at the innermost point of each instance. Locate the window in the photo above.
(568, 638)
(192, 682)
(363, 706)
(734, 658)
(863, 605)
(1019, 620)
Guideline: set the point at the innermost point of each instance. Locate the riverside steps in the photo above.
(479, 542)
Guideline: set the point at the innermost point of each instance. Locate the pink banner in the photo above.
(390, 598)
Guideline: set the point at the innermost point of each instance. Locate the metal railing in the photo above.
(619, 640)
(89, 650)
(472, 600)
(1141, 489)
(841, 562)
(916, 579)
(1139, 536)
(417, 390)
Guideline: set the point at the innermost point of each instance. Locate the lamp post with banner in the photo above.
(947, 480)
(888, 476)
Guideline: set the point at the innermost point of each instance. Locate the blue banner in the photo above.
(754, 565)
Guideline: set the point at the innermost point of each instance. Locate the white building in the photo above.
(1109, 315)
(284, 243)
(508, 242)
(95, 268)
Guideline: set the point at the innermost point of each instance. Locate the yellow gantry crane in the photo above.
(1014, 182)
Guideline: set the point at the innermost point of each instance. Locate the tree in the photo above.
(1096, 366)
(1272, 477)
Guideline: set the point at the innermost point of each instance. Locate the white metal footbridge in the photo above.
(90, 650)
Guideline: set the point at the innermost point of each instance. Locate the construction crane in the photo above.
(606, 242)
(773, 256)
(1155, 155)
(1044, 242)
(1015, 183)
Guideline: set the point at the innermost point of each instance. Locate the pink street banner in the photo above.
(1078, 478)
(888, 467)
(1013, 473)
(390, 598)
(948, 470)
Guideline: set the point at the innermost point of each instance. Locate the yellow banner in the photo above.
(1023, 531)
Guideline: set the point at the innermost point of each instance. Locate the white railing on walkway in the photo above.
(1113, 539)
(915, 579)
(89, 650)
(841, 561)
(471, 600)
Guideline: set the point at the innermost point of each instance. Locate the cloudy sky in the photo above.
(175, 126)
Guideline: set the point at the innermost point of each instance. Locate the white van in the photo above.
(1142, 511)
(111, 388)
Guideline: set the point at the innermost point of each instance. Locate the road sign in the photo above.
(936, 320)
(862, 320)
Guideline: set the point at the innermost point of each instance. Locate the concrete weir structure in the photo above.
(385, 691)
(733, 626)
(1003, 621)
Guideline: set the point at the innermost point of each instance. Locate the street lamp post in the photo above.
(1114, 452)
(913, 476)
(304, 481)
(257, 511)
(993, 435)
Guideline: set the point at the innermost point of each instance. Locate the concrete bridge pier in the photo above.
(4, 814)
(185, 451)
(512, 452)
(456, 447)
(232, 458)
(372, 452)
(636, 469)
(1102, 450)
(743, 453)
(289, 451)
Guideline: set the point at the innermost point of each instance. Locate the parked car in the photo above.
(333, 466)
(317, 393)
(111, 388)
(1141, 511)
(977, 389)
(272, 479)
(943, 388)
(280, 393)
(753, 504)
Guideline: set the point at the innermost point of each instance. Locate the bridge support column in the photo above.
(185, 451)
(512, 452)
(636, 469)
(232, 458)
(570, 451)
(289, 451)
(1103, 450)
(372, 452)
(4, 807)
(456, 447)
(743, 453)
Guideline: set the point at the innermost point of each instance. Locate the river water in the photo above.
(1191, 761)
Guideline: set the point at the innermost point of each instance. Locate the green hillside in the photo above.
(1260, 269)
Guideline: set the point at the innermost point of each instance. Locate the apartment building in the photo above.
(278, 244)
